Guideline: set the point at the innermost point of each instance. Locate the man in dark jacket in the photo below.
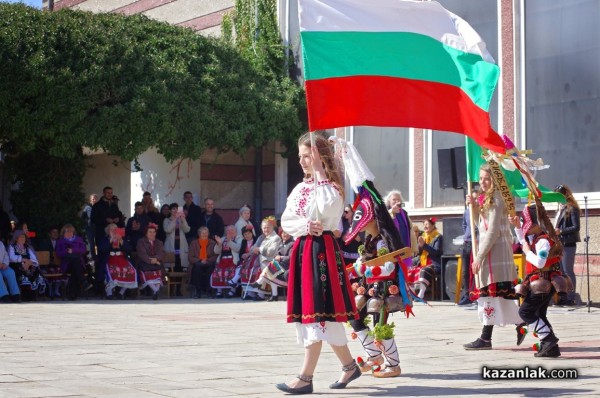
(211, 220)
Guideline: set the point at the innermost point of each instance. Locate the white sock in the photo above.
(540, 328)
(422, 290)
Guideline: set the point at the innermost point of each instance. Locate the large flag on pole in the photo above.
(396, 63)
(513, 178)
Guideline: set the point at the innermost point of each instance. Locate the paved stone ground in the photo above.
(229, 348)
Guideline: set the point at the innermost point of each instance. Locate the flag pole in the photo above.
(474, 244)
(313, 144)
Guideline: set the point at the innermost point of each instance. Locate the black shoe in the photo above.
(521, 336)
(565, 302)
(307, 389)
(547, 344)
(15, 298)
(273, 298)
(258, 298)
(219, 295)
(109, 297)
(231, 294)
(120, 296)
(552, 353)
(478, 345)
(338, 385)
(155, 296)
(5, 298)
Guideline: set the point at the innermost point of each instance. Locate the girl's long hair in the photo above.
(571, 202)
(325, 149)
(488, 198)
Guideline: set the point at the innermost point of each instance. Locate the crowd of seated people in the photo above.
(129, 255)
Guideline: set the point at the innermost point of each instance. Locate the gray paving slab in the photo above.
(230, 348)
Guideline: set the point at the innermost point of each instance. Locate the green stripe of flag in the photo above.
(398, 54)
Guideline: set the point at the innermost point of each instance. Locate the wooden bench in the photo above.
(174, 278)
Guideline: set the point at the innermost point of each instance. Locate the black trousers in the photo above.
(535, 306)
(201, 276)
(75, 272)
(466, 267)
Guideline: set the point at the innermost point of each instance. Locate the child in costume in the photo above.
(377, 287)
(542, 253)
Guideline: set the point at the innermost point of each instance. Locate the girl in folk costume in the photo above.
(493, 268)
(542, 252)
(428, 263)
(119, 270)
(228, 248)
(377, 287)
(246, 258)
(319, 297)
(151, 254)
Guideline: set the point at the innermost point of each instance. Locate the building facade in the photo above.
(548, 100)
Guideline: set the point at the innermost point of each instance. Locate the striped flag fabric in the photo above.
(396, 63)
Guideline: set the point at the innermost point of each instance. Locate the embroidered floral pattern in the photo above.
(323, 274)
(489, 311)
(302, 199)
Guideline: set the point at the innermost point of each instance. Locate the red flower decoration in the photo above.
(393, 289)
(321, 256)
(376, 270)
(353, 336)
(323, 278)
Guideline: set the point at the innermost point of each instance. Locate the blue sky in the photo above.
(33, 3)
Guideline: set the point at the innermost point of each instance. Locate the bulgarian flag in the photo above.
(395, 63)
(513, 178)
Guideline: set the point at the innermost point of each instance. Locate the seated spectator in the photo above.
(228, 248)
(49, 243)
(202, 259)
(429, 261)
(9, 288)
(115, 252)
(24, 226)
(244, 222)
(266, 248)
(70, 250)
(150, 258)
(276, 272)
(245, 255)
(55, 283)
(25, 264)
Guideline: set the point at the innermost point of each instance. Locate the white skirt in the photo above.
(331, 332)
(498, 311)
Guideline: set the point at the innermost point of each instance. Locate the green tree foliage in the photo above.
(127, 83)
(253, 29)
(54, 196)
(123, 84)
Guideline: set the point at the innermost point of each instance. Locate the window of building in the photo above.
(386, 152)
(562, 90)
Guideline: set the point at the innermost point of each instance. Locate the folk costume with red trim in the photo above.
(542, 281)
(319, 297)
(381, 289)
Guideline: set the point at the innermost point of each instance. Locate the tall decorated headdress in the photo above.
(369, 206)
